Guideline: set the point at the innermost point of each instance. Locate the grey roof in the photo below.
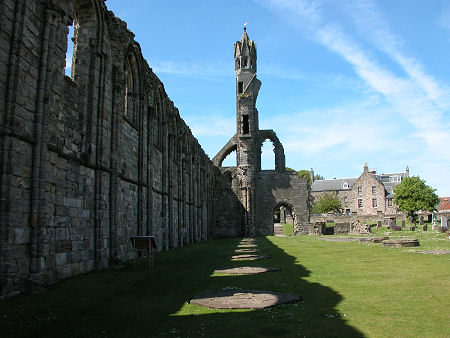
(332, 185)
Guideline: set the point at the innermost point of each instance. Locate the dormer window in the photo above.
(345, 185)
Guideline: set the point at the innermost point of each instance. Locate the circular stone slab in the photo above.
(401, 242)
(246, 250)
(338, 239)
(435, 252)
(248, 257)
(241, 246)
(372, 239)
(246, 270)
(243, 299)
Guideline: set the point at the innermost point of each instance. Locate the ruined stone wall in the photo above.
(88, 160)
(274, 189)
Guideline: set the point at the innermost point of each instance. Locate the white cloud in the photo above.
(416, 96)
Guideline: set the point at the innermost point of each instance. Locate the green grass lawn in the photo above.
(348, 290)
(288, 229)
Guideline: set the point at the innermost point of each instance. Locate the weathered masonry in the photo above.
(261, 192)
(88, 160)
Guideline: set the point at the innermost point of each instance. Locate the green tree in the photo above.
(413, 195)
(318, 177)
(305, 174)
(327, 202)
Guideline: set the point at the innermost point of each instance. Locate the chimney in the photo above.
(366, 168)
(311, 175)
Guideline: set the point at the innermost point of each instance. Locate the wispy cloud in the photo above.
(415, 95)
(193, 69)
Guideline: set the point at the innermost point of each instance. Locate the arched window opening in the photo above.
(244, 63)
(251, 63)
(238, 64)
(69, 51)
(84, 34)
(128, 91)
(267, 155)
(230, 160)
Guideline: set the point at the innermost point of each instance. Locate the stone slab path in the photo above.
(246, 250)
(243, 299)
(435, 252)
(338, 239)
(246, 270)
(248, 257)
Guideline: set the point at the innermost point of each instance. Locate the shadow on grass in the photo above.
(155, 302)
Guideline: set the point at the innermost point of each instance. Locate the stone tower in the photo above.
(260, 191)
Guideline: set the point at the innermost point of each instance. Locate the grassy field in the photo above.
(348, 290)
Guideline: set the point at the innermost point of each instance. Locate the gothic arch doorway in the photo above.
(284, 217)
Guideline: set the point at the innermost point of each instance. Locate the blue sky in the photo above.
(343, 82)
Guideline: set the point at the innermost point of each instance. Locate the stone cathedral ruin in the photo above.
(91, 159)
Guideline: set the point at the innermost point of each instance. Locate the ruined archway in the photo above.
(230, 147)
(270, 135)
(283, 213)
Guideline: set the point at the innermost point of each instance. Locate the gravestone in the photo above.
(403, 223)
(444, 221)
(412, 228)
(435, 225)
(392, 222)
(425, 228)
(378, 224)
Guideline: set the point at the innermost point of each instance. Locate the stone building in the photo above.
(261, 192)
(88, 160)
(369, 194)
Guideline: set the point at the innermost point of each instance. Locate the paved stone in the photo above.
(241, 246)
(435, 252)
(401, 242)
(246, 270)
(372, 239)
(338, 239)
(242, 299)
(246, 250)
(248, 257)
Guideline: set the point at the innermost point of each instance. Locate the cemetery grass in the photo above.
(348, 290)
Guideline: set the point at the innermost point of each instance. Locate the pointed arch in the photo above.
(224, 152)
(86, 27)
(270, 135)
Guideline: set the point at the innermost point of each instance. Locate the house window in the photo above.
(345, 199)
(240, 87)
(347, 211)
(360, 203)
(374, 203)
(245, 127)
(359, 190)
(389, 202)
(374, 189)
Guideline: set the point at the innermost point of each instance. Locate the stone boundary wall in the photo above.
(88, 160)
(338, 218)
